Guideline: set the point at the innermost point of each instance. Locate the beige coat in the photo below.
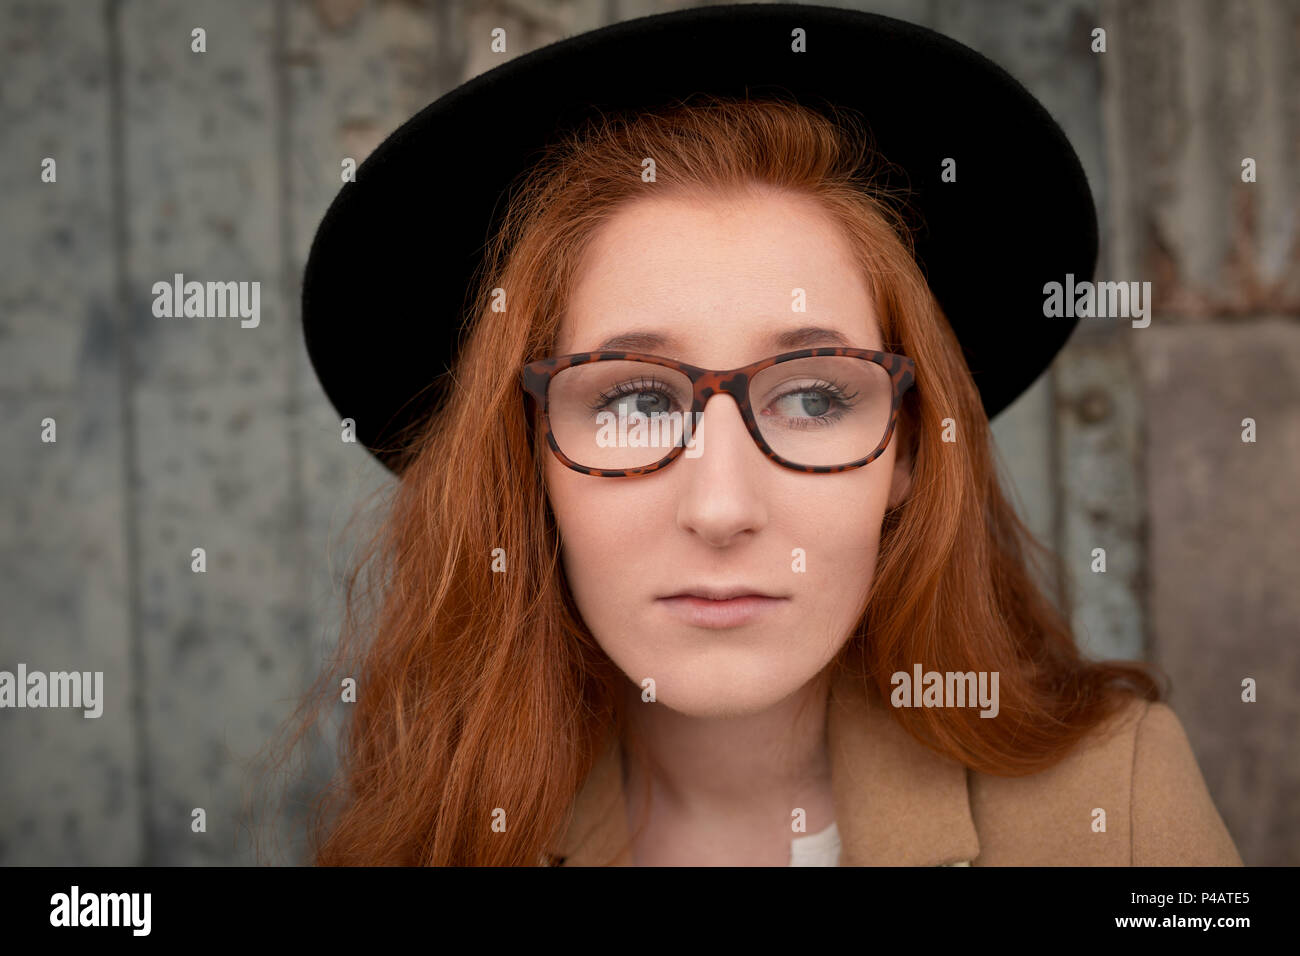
(899, 804)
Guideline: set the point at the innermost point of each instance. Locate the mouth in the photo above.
(720, 607)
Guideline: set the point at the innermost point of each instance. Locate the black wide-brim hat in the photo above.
(388, 278)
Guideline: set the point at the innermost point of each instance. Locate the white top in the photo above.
(816, 849)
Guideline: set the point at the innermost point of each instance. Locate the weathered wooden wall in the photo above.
(1191, 90)
(204, 434)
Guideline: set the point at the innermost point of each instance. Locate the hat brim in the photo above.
(388, 276)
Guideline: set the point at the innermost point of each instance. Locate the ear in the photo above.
(901, 482)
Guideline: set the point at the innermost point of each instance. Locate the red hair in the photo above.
(482, 693)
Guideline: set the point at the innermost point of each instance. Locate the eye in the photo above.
(804, 406)
(642, 397)
(809, 402)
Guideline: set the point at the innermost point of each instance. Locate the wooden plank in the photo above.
(1224, 561)
(70, 793)
(1100, 437)
(1194, 88)
(217, 465)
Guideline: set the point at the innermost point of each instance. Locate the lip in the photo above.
(720, 608)
(721, 593)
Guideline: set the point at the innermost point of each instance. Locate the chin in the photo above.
(699, 691)
(716, 709)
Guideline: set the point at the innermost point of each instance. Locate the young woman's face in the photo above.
(717, 281)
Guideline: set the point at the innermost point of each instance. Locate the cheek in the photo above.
(600, 522)
(837, 524)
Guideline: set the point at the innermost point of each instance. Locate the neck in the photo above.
(759, 766)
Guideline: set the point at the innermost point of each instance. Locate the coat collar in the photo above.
(897, 803)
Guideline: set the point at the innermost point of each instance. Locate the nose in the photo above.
(720, 496)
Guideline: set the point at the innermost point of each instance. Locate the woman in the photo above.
(803, 627)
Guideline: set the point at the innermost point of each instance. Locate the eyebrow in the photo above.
(644, 340)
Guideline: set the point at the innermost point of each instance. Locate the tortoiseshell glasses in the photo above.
(618, 414)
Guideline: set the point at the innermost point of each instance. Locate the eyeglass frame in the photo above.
(535, 377)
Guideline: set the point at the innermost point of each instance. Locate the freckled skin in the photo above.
(719, 275)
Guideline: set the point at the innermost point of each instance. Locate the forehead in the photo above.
(719, 281)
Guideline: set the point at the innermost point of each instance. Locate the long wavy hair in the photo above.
(481, 693)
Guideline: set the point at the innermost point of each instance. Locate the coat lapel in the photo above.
(896, 802)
